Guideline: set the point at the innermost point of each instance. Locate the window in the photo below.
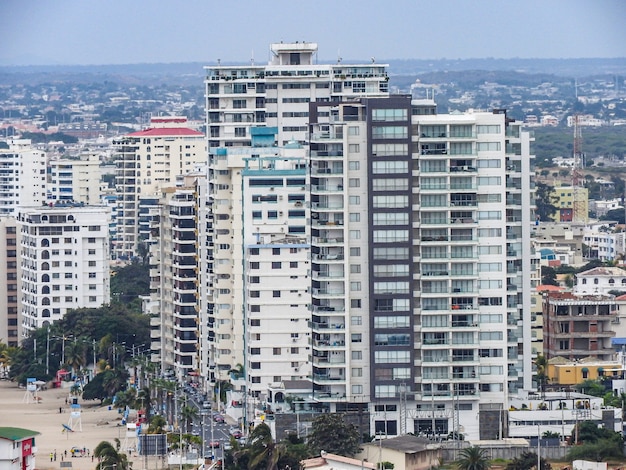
(355, 268)
(357, 372)
(276, 351)
(390, 150)
(91, 264)
(276, 293)
(354, 165)
(293, 264)
(354, 148)
(357, 389)
(355, 251)
(353, 130)
(354, 182)
(489, 180)
(276, 251)
(254, 265)
(355, 303)
(356, 337)
(388, 167)
(354, 200)
(276, 265)
(356, 320)
(357, 355)
(355, 234)
(391, 202)
(355, 217)
(355, 286)
(488, 146)
(389, 115)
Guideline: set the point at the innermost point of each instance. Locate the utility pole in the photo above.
(48, 352)
(93, 374)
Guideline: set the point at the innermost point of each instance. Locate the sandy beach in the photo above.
(98, 424)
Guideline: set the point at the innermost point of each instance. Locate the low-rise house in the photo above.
(328, 461)
(404, 452)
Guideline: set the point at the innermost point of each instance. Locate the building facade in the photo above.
(147, 161)
(64, 260)
(176, 278)
(277, 94)
(576, 327)
(75, 180)
(257, 307)
(10, 324)
(22, 176)
(420, 225)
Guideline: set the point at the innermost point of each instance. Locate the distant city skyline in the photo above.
(78, 32)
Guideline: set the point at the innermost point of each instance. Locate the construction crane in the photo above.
(578, 196)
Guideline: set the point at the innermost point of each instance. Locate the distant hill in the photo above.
(190, 71)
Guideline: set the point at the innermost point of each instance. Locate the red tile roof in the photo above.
(165, 131)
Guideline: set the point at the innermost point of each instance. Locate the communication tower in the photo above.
(578, 204)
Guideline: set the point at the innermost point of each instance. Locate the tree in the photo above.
(263, 452)
(548, 276)
(329, 432)
(544, 201)
(188, 413)
(108, 457)
(542, 366)
(526, 461)
(75, 355)
(473, 458)
(157, 425)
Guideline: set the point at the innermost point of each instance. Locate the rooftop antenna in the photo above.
(338, 57)
(252, 59)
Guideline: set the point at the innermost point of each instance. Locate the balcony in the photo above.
(324, 327)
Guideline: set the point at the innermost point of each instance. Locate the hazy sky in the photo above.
(140, 31)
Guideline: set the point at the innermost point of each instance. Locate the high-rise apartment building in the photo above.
(22, 176)
(258, 303)
(75, 180)
(420, 256)
(10, 325)
(64, 259)
(147, 161)
(176, 277)
(421, 249)
(277, 94)
(265, 107)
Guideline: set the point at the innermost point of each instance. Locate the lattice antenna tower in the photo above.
(578, 204)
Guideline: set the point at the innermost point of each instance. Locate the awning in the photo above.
(600, 370)
(584, 369)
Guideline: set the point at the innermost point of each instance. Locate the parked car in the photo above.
(218, 418)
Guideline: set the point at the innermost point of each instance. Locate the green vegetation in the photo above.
(596, 141)
(40, 137)
(331, 433)
(129, 282)
(473, 458)
(109, 457)
(596, 443)
(526, 461)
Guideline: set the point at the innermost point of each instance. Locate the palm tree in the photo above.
(108, 456)
(7, 353)
(188, 413)
(157, 424)
(541, 362)
(473, 458)
(75, 356)
(262, 451)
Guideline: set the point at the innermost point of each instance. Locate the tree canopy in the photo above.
(331, 433)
